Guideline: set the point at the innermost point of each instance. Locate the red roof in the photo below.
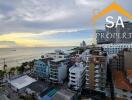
(129, 72)
(120, 80)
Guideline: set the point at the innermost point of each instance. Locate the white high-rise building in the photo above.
(115, 48)
(76, 76)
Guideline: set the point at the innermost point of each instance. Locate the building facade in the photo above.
(122, 84)
(115, 34)
(56, 55)
(115, 48)
(41, 68)
(77, 76)
(58, 70)
(96, 71)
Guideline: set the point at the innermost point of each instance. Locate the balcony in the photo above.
(97, 76)
(87, 83)
(87, 79)
(96, 67)
(97, 89)
(96, 71)
(96, 80)
(96, 85)
(54, 79)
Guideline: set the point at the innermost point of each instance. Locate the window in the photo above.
(73, 77)
(73, 73)
(124, 90)
(60, 56)
(73, 81)
(124, 96)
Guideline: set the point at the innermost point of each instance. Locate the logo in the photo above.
(112, 6)
(117, 35)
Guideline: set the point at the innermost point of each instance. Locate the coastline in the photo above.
(15, 57)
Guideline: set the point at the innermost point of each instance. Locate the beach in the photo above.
(15, 56)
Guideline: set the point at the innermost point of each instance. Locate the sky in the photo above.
(42, 23)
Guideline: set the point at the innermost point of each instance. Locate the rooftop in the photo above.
(77, 68)
(59, 60)
(3, 97)
(120, 80)
(63, 95)
(22, 82)
(129, 73)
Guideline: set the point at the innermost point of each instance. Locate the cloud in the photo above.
(7, 44)
(40, 15)
(31, 20)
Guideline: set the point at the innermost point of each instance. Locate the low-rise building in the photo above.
(65, 95)
(3, 97)
(58, 70)
(19, 84)
(77, 76)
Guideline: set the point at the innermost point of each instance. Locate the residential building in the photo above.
(101, 37)
(58, 70)
(115, 48)
(83, 44)
(122, 75)
(41, 68)
(127, 29)
(96, 71)
(122, 60)
(84, 55)
(128, 58)
(129, 75)
(122, 84)
(65, 94)
(77, 75)
(56, 55)
(117, 61)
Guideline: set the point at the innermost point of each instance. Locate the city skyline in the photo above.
(41, 23)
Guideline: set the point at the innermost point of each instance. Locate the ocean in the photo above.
(15, 56)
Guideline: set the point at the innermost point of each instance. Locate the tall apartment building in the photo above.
(110, 37)
(119, 29)
(115, 48)
(58, 70)
(122, 60)
(96, 71)
(77, 76)
(83, 44)
(100, 37)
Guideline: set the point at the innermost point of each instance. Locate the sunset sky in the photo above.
(40, 23)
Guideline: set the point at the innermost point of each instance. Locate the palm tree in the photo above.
(20, 69)
(12, 70)
(2, 74)
(31, 64)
